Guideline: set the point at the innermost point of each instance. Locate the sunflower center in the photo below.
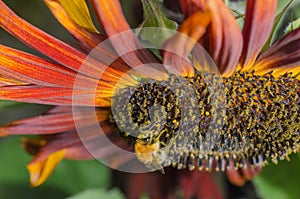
(207, 122)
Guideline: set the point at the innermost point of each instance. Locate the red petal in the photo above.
(234, 176)
(208, 188)
(88, 39)
(126, 44)
(239, 177)
(51, 123)
(65, 140)
(187, 183)
(78, 152)
(32, 69)
(225, 38)
(189, 7)
(137, 184)
(285, 53)
(177, 48)
(258, 26)
(50, 46)
(54, 95)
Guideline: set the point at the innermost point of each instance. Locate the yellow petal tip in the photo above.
(40, 170)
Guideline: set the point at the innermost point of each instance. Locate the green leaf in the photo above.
(98, 193)
(238, 10)
(280, 181)
(155, 17)
(14, 178)
(277, 22)
(292, 26)
(267, 190)
(4, 104)
(11, 111)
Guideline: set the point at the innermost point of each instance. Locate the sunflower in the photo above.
(261, 89)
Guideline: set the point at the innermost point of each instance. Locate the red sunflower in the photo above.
(262, 91)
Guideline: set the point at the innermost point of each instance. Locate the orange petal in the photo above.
(55, 95)
(239, 177)
(250, 172)
(41, 170)
(50, 46)
(285, 53)
(89, 40)
(32, 69)
(294, 70)
(84, 31)
(50, 123)
(178, 47)
(234, 176)
(259, 21)
(225, 38)
(125, 43)
(6, 81)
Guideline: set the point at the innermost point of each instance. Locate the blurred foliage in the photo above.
(277, 22)
(154, 16)
(280, 181)
(292, 26)
(98, 193)
(7, 104)
(11, 111)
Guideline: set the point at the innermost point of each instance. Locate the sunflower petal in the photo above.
(46, 148)
(50, 46)
(125, 43)
(234, 176)
(50, 123)
(208, 186)
(55, 95)
(259, 21)
(85, 32)
(285, 53)
(32, 69)
(7, 81)
(79, 13)
(41, 170)
(239, 177)
(189, 7)
(225, 38)
(78, 152)
(90, 41)
(177, 48)
(294, 70)
(28, 68)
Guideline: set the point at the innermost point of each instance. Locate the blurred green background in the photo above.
(72, 177)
